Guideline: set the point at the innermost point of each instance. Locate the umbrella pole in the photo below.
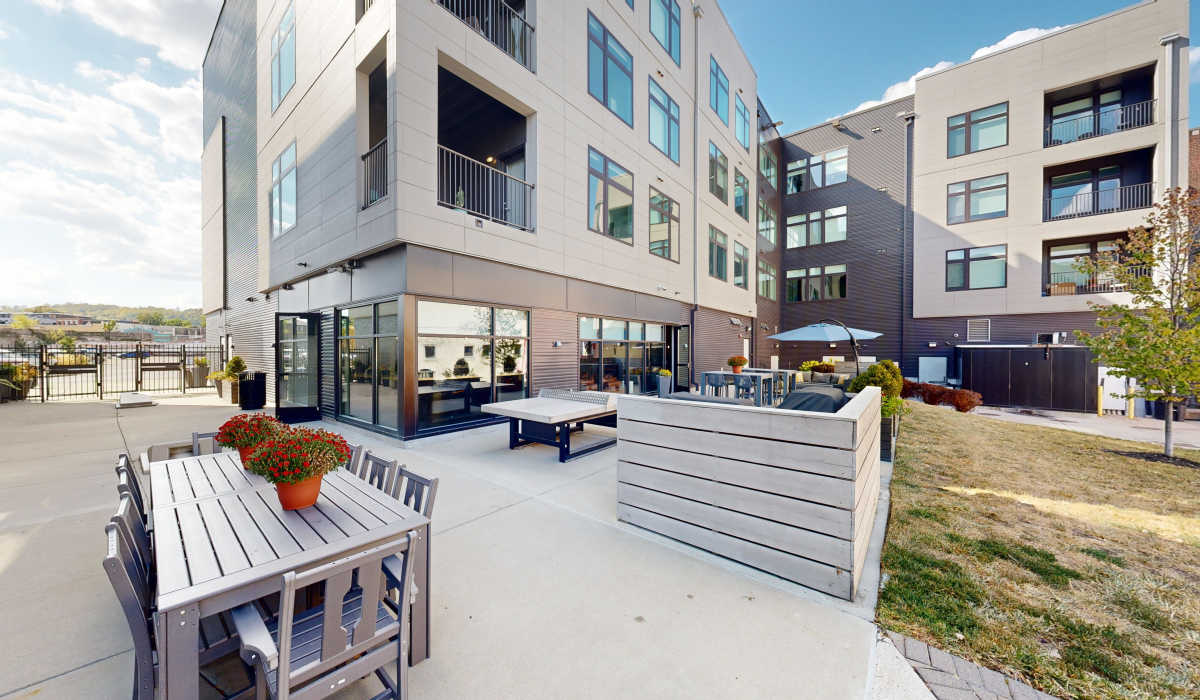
(853, 342)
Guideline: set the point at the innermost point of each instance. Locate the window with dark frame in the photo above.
(610, 198)
(817, 227)
(741, 122)
(766, 280)
(718, 90)
(718, 173)
(664, 26)
(664, 226)
(767, 164)
(610, 71)
(977, 268)
(741, 266)
(767, 221)
(818, 171)
(977, 130)
(741, 194)
(1097, 114)
(283, 192)
(717, 251)
(664, 121)
(816, 283)
(283, 56)
(621, 356)
(367, 375)
(978, 199)
(1062, 275)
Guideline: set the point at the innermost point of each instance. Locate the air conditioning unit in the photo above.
(1055, 338)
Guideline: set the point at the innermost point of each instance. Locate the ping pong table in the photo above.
(551, 417)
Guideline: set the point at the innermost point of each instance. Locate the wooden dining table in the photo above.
(221, 539)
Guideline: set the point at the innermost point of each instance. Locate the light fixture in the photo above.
(837, 124)
(932, 344)
(288, 287)
(302, 264)
(489, 160)
(832, 346)
(735, 322)
(772, 125)
(875, 130)
(250, 299)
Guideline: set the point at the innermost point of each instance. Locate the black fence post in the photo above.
(42, 369)
(99, 371)
(137, 367)
(183, 368)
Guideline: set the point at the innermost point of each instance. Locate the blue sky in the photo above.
(100, 118)
(810, 69)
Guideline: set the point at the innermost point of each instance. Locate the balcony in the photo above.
(1061, 284)
(501, 23)
(374, 163)
(1089, 124)
(479, 189)
(1104, 185)
(1105, 200)
(1100, 107)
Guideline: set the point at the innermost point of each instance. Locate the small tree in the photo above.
(67, 343)
(109, 327)
(23, 323)
(1155, 339)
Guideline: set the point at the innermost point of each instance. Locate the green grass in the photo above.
(1141, 612)
(1037, 561)
(1103, 555)
(934, 591)
(928, 514)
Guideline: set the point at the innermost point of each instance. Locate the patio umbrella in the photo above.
(828, 331)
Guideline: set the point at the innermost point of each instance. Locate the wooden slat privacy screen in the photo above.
(790, 492)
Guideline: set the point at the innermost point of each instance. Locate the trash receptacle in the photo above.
(252, 390)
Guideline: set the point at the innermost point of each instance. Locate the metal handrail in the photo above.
(1099, 201)
(375, 173)
(480, 189)
(1072, 283)
(1095, 123)
(496, 21)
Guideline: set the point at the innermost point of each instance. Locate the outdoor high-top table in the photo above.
(760, 379)
(221, 539)
(783, 379)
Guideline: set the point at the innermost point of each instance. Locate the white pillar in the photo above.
(1170, 108)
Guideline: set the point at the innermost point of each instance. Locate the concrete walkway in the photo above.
(1187, 433)
(537, 591)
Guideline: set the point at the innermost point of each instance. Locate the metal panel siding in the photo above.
(555, 368)
(230, 85)
(874, 193)
(769, 319)
(715, 339)
(328, 345)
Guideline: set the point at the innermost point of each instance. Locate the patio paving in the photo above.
(1187, 433)
(537, 591)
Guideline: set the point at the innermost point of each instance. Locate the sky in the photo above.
(100, 118)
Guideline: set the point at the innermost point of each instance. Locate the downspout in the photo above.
(698, 14)
(905, 308)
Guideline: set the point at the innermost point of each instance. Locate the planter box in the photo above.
(196, 377)
(220, 388)
(887, 438)
(792, 493)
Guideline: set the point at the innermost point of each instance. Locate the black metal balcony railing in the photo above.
(1100, 123)
(500, 24)
(1072, 283)
(478, 188)
(375, 174)
(1099, 201)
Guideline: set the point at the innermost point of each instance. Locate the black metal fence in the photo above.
(48, 372)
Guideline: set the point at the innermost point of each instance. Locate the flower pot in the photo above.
(664, 387)
(299, 495)
(220, 388)
(233, 391)
(244, 453)
(737, 369)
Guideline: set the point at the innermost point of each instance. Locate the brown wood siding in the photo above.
(554, 368)
(715, 339)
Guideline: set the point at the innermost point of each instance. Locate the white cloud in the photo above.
(143, 62)
(5, 31)
(1194, 63)
(909, 86)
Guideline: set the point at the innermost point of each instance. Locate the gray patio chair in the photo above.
(124, 466)
(716, 382)
(349, 636)
(416, 491)
(744, 387)
(136, 599)
(355, 461)
(200, 440)
(379, 472)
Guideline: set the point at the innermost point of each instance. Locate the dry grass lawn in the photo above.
(1057, 557)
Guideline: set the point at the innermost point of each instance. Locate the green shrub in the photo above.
(235, 366)
(885, 375)
(807, 365)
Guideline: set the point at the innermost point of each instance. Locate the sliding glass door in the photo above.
(297, 359)
(368, 364)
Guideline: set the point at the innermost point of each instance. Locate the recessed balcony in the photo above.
(1100, 107)
(1116, 183)
(501, 23)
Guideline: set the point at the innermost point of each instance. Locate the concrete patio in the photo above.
(537, 591)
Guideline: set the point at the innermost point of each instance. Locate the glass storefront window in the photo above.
(589, 366)
(440, 318)
(389, 315)
(589, 327)
(614, 330)
(368, 368)
(627, 357)
(357, 378)
(512, 323)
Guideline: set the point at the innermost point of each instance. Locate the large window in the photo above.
(473, 355)
(610, 71)
(368, 364)
(717, 246)
(977, 131)
(664, 25)
(766, 280)
(766, 164)
(814, 228)
(1094, 115)
(741, 194)
(741, 121)
(817, 171)
(610, 198)
(664, 226)
(1064, 260)
(976, 268)
(718, 90)
(622, 356)
(741, 266)
(767, 221)
(664, 121)
(1086, 192)
(718, 172)
(973, 200)
(283, 192)
(816, 283)
(283, 56)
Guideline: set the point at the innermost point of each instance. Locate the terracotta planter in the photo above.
(737, 369)
(244, 453)
(299, 495)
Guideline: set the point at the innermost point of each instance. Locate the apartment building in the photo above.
(953, 219)
(412, 209)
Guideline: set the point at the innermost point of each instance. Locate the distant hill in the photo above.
(112, 312)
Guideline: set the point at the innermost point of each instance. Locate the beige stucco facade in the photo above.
(1151, 34)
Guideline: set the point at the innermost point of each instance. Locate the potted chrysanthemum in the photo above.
(245, 431)
(737, 362)
(295, 459)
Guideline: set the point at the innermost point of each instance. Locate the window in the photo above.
(1063, 259)
(664, 226)
(368, 364)
(767, 164)
(717, 242)
(610, 71)
(283, 57)
(741, 194)
(766, 221)
(977, 131)
(622, 356)
(1095, 115)
(976, 268)
(741, 265)
(630, 3)
(816, 227)
(468, 350)
(817, 171)
(1089, 192)
(766, 280)
(664, 25)
(816, 283)
(664, 122)
(283, 192)
(741, 121)
(718, 172)
(718, 90)
(981, 198)
(610, 198)
(430, 351)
